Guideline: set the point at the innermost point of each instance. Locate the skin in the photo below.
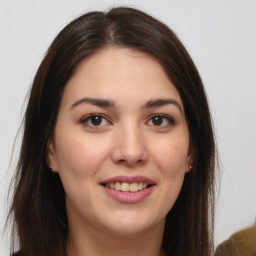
(127, 141)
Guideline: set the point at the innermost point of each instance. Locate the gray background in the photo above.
(220, 36)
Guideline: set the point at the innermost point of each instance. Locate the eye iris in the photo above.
(96, 120)
(157, 120)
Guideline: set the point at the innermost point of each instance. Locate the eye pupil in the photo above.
(96, 120)
(157, 120)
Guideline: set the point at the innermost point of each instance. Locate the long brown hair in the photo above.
(38, 206)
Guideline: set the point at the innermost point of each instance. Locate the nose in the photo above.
(129, 147)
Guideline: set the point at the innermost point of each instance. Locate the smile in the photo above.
(127, 187)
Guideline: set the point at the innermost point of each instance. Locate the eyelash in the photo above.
(88, 118)
(164, 117)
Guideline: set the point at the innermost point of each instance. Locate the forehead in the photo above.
(120, 74)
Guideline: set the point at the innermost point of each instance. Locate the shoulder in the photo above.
(241, 243)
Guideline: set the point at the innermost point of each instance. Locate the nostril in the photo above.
(129, 154)
(130, 162)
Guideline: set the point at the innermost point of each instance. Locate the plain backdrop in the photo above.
(220, 35)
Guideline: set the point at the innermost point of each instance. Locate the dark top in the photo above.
(18, 254)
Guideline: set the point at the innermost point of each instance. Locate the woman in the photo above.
(118, 150)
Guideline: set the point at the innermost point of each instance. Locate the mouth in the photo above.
(127, 187)
(128, 184)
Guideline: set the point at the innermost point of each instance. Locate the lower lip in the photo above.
(129, 197)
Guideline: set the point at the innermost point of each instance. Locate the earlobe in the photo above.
(51, 160)
(190, 160)
(189, 168)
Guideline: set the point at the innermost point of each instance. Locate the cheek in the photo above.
(80, 155)
(171, 156)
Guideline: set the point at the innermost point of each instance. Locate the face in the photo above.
(120, 143)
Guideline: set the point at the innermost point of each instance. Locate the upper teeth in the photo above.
(127, 187)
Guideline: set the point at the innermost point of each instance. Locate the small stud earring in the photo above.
(190, 167)
(50, 168)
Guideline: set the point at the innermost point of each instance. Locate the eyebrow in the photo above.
(162, 102)
(94, 101)
(109, 103)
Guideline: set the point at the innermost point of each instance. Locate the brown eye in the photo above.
(157, 120)
(95, 121)
(161, 120)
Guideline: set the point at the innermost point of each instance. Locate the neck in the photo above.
(93, 242)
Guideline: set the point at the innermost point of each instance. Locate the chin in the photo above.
(128, 230)
(127, 224)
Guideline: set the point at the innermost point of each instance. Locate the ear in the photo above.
(51, 158)
(190, 160)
